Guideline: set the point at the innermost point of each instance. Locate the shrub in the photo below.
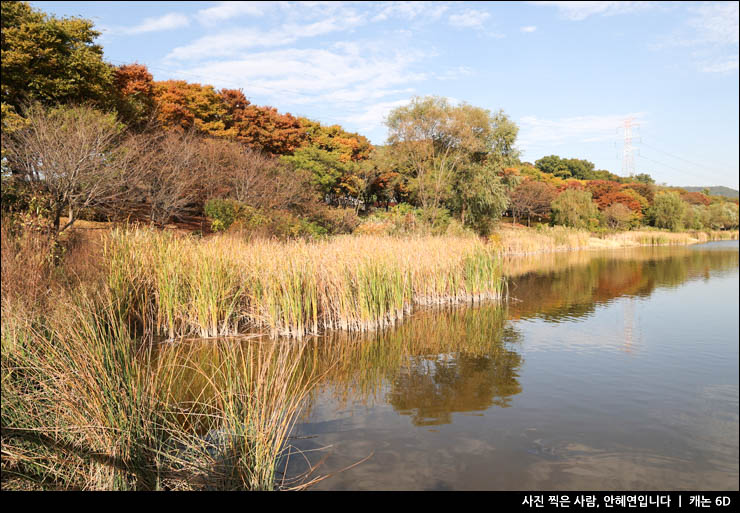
(222, 212)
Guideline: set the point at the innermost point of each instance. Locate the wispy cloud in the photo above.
(712, 32)
(411, 10)
(470, 18)
(578, 11)
(715, 23)
(168, 21)
(342, 75)
(535, 131)
(529, 28)
(722, 66)
(235, 41)
(373, 117)
(227, 10)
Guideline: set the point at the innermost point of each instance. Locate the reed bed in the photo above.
(178, 286)
(546, 239)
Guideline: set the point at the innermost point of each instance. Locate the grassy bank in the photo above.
(179, 286)
(543, 239)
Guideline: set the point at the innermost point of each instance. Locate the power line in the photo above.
(687, 173)
(712, 171)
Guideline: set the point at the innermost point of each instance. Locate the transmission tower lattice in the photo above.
(628, 156)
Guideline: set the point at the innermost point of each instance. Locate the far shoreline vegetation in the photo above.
(135, 211)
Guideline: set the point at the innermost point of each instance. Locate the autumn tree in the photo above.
(532, 198)
(618, 216)
(348, 146)
(695, 198)
(600, 191)
(646, 190)
(134, 87)
(182, 106)
(262, 128)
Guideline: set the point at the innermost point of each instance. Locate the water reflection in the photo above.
(584, 408)
(566, 286)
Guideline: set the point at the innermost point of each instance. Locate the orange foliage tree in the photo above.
(348, 145)
(696, 198)
(135, 89)
(262, 128)
(181, 105)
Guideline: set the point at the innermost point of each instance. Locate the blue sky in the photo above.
(567, 73)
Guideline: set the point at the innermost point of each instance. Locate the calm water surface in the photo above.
(610, 370)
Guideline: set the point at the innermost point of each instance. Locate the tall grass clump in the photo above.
(240, 402)
(77, 410)
(177, 286)
(85, 406)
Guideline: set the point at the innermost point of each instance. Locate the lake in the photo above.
(603, 371)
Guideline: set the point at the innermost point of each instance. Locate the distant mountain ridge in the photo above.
(716, 190)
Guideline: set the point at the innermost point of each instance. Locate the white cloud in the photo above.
(235, 41)
(712, 31)
(529, 28)
(169, 21)
(577, 11)
(716, 23)
(373, 117)
(411, 10)
(723, 66)
(536, 131)
(301, 76)
(226, 10)
(469, 18)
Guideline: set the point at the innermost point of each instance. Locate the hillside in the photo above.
(717, 190)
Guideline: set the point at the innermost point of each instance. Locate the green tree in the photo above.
(668, 211)
(554, 165)
(50, 60)
(574, 208)
(723, 215)
(454, 155)
(644, 178)
(337, 181)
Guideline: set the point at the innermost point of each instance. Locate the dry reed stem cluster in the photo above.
(176, 286)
